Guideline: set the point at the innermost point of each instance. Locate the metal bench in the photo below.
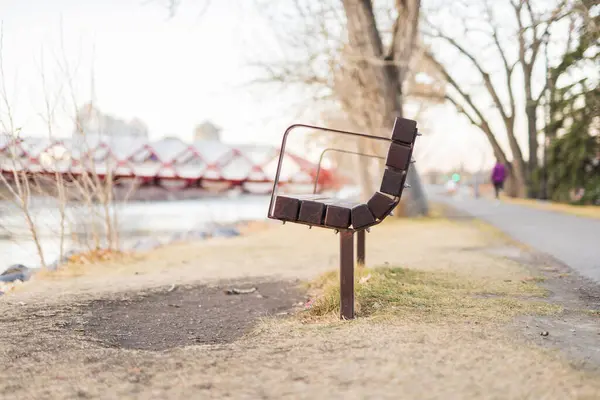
(348, 217)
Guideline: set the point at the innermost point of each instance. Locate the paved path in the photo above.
(571, 239)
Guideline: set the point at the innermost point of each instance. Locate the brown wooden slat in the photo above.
(287, 207)
(337, 217)
(361, 216)
(312, 211)
(338, 214)
(393, 182)
(381, 205)
(405, 130)
(398, 156)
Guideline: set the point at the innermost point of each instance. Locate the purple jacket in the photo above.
(498, 173)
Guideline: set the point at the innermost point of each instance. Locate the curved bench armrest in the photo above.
(283, 145)
(333, 149)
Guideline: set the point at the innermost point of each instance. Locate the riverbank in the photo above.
(75, 263)
(137, 222)
(188, 320)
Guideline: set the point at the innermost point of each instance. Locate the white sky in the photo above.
(171, 73)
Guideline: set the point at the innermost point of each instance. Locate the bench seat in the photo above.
(332, 212)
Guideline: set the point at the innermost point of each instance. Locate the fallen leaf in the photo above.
(240, 291)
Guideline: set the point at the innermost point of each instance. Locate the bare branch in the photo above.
(481, 121)
(508, 118)
(508, 69)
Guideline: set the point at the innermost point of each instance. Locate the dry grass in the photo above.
(581, 211)
(433, 329)
(430, 296)
(288, 360)
(80, 264)
(286, 252)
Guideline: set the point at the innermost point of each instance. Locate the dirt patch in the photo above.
(183, 316)
(576, 331)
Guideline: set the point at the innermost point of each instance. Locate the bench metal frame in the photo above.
(280, 163)
(347, 234)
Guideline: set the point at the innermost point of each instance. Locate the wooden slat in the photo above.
(361, 216)
(398, 156)
(313, 211)
(338, 214)
(287, 207)
(393, 182)
(405, 130)
(381, 205)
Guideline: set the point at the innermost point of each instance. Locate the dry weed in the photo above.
(581, 211)
(430, 296)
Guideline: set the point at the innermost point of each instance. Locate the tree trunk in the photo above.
(365, 41)
(414, 199)
(531, 112)
(515, 185)
(383, 80)
(519, 176)
(518, 172)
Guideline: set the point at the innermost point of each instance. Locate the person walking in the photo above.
(498, 177)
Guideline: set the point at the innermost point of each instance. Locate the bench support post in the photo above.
(347, 274)
(360, 247)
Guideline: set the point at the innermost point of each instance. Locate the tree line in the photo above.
(523, 72)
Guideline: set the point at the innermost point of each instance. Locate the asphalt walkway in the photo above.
(571, 239)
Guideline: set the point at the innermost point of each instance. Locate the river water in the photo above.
(136, 221)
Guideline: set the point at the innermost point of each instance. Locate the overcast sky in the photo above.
(171, 72)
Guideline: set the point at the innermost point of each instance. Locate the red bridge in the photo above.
(169, 163)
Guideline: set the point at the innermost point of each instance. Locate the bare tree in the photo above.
(94, 179)
(483, 44)
(338, 50)
(50, 178)
(59, 184)
(18, 182)
(534, 30)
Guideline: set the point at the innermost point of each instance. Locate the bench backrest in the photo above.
(398, 161)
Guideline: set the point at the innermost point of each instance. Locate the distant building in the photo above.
(207, 131)
(138, 128)
(91, 121)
